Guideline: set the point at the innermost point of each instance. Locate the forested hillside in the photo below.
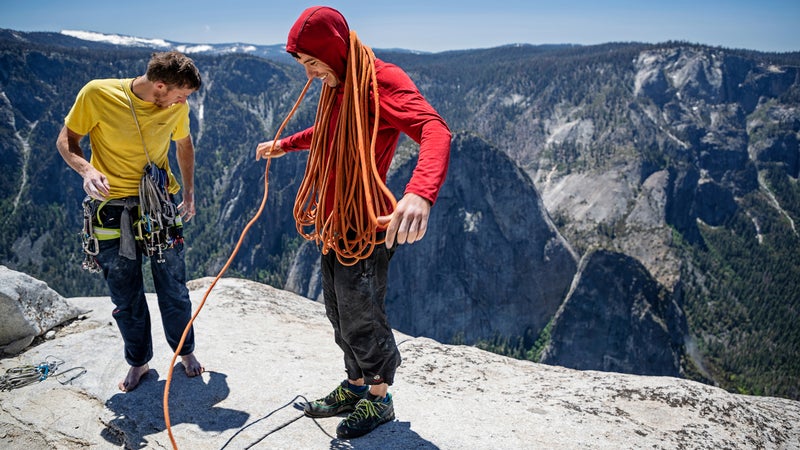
(678, 161)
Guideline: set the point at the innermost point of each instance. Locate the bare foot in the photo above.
(135, 375)
(191, 365)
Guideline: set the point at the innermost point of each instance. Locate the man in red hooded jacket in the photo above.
(354, 294)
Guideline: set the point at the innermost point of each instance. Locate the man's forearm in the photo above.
(185, 157)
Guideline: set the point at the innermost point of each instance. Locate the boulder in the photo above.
(29, 308)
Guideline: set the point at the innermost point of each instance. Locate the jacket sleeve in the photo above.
(298, 141)
(404, 107)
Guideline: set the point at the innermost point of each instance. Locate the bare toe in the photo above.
(135, 375)
(191, 365)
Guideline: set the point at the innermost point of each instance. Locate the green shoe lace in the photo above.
(338, 395)
(364, 410)
(366, 417)
(339, 400)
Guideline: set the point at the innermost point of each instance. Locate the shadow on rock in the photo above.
(140, 413)
(391, 435)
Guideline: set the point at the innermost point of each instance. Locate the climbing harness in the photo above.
(17, 377)
(154, 231)
(158, 225)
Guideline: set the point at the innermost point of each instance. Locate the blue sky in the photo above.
(431, 25)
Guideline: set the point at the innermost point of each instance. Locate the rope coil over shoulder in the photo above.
(361, 196)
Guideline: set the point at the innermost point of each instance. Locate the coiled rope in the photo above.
(17, 377)
(351, 227)
(351, 230)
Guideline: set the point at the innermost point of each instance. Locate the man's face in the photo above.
(166, 96)
(318, 69)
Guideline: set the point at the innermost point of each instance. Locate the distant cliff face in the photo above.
(677, 161)
(714, 107)
(617, 318)
(491, 261)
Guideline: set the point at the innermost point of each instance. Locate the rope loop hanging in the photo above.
(165, 401)
(351, 227)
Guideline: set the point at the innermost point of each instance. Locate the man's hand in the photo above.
(266, 150)
(186, 208)
(95, 184)
(409, 221)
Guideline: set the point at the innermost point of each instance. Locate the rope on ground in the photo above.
(274, 430)
(17, 377)
(225, 268)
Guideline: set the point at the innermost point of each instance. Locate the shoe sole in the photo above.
(359, 433)
(322, 415)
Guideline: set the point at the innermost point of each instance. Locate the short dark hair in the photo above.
(174, 69)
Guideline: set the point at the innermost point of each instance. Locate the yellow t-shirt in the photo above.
(102, 111)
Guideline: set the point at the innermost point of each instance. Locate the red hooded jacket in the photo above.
(323, 33)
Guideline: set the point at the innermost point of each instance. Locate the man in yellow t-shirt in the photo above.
(130, 123)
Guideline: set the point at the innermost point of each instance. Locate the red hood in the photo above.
(323, 33)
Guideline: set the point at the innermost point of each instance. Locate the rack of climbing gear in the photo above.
(17, 377)
(159, 222)
(91, 245)
(159, 225)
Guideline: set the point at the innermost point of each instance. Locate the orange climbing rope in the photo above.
(224, 268)
(351, 228)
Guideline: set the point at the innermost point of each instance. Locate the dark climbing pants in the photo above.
(354, 302)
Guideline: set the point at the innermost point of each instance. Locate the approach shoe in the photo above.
(342, 399)
(366, 417)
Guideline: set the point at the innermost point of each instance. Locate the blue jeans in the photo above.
(126, 286)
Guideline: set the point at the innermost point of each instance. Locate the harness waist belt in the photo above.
(127, 243)
(125, 232)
